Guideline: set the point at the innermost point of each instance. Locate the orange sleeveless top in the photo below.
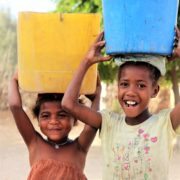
(55, 170)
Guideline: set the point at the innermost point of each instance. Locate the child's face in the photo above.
(54, 122)
(135, 89)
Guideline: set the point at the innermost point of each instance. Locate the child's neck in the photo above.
(138, 119)
(61, 141)
(59, 144)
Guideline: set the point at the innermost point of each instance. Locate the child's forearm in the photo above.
(96, 99)
(96, 103)
(70, 99)
(175, 116)
(23, 122)
(72, 93)
(14, 98)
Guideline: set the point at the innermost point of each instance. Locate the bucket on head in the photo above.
(139, 26)
(51, 47)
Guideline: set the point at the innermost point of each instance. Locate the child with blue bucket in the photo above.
(136, 145)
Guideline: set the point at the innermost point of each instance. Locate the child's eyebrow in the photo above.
(123, 79)
(63, 111)
(44, 112)
(141, 81)
(127, 80)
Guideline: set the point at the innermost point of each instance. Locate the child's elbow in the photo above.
(66, 105)
(14, 106)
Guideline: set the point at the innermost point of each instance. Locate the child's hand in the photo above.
(176, 50)
(94, 53)
(15, 76)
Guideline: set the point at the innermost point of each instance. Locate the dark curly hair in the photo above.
(46, 97)
(154, 72)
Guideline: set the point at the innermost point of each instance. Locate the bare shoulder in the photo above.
(35, 147)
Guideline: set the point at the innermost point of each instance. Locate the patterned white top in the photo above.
(139, 152)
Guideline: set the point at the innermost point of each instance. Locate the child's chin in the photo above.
(131, 114)
(55, 138)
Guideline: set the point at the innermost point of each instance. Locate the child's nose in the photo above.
(54, 120)
(132, 90)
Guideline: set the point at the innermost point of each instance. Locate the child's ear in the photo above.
(155, 91)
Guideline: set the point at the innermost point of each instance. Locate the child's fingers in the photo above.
(177, 32)
(176, 38)
(175, 44)
(104, 58)
(99, 45)
(100, 37)
(107, 58)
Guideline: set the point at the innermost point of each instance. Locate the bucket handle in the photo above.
(61, 18)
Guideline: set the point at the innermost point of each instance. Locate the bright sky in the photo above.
(27, 5)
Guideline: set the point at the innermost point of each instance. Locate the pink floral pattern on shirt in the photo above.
(133, 159)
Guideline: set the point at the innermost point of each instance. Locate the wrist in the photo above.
(87, 62)
(84, 66)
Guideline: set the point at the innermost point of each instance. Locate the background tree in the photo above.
(8, 53)
(76, 6)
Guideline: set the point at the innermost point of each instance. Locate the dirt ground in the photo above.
(14, 156)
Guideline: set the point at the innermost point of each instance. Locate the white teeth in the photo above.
(131, 102)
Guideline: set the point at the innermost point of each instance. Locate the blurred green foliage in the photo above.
(76, 6)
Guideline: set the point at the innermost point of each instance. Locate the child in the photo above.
(136, 145)
(56, 157)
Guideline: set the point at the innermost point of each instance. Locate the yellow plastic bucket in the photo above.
(51, 47)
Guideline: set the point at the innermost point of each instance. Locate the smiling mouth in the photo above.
(55, 130)
(130, 103)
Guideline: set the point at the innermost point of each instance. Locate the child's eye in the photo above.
(123, 84)
(44, 116)
(141, 86)
(62, 115)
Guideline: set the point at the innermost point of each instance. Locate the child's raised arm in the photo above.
(23, 123)
(69, 102)
(88, 133)
(175, 114)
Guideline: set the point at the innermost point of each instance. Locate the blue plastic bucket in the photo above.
(139, 26)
